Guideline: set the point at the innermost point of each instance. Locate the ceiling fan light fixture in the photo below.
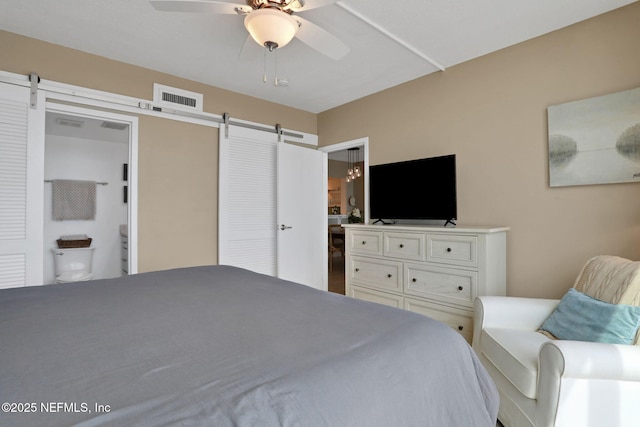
(269, 26)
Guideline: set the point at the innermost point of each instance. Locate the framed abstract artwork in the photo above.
(595, 140)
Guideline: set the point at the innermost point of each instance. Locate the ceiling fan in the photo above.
(271, 23)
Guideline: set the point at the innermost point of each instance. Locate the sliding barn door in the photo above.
(21, 186)
(247, 213)
(263, 226)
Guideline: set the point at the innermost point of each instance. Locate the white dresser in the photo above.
(433, 271)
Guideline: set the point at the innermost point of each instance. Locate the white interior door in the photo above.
(264, 184)
(302, 219)
(21, 186)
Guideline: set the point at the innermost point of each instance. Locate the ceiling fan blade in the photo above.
(320, 40)
(310, 4)
(249, 50)
(201, 6)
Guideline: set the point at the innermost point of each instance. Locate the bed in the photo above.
(223, 346)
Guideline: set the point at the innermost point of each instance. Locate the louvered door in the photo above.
(247, 214)
(21, 187)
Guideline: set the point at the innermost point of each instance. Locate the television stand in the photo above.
(450, 221)
(429, 270)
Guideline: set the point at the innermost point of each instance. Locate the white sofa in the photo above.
(548, 382)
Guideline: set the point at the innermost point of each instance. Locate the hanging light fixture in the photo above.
(271, 27)
(353, 165)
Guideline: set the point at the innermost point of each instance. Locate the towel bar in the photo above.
(99, 183)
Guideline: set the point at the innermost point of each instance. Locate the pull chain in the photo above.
(275, 81)
(264, 76)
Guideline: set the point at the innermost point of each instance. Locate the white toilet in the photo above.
(73, 265)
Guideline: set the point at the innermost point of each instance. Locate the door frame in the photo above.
(360, 142)
(132, 202)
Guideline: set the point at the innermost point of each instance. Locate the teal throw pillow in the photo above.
(582, 318)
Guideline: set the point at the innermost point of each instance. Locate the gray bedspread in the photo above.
(222, 346)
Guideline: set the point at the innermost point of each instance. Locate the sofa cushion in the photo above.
(514, 352)
(611, 279)
(582, 318)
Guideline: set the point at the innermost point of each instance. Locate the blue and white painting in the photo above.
(595, 141)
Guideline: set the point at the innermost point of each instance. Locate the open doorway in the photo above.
(347, 201)
(95, 147)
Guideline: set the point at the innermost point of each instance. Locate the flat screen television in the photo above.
(423, 189)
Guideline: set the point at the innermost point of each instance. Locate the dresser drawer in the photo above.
(458, 250)
(365, 242)
(444, 284)
(404, 245)
(460, 320)
(375, 296)
(379, 273)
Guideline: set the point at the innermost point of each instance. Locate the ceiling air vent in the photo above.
(69, 122)
(178, 99)
(114, 125)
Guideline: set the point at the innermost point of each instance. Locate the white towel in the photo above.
(73, 200)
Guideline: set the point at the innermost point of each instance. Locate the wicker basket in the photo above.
(70, 244)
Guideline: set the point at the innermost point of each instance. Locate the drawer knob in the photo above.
(357, 269)
(460, 327)
(414, 280)
(401, 246)
(448, 249)
(364, 242)
(389, 275)
(460, 288)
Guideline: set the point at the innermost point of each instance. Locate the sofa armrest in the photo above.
(568, 367)
(509, 312)
(512, 312)
(579, 359)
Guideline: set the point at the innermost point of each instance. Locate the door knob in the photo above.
(285, 227)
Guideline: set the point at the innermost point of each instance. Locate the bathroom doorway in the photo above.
(347, 200)
(96, 146)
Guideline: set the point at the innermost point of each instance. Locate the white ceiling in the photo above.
(206, 47)
(71, 126)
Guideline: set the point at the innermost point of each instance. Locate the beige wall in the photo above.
(24, 55)
(491, 112)
(178, 162)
